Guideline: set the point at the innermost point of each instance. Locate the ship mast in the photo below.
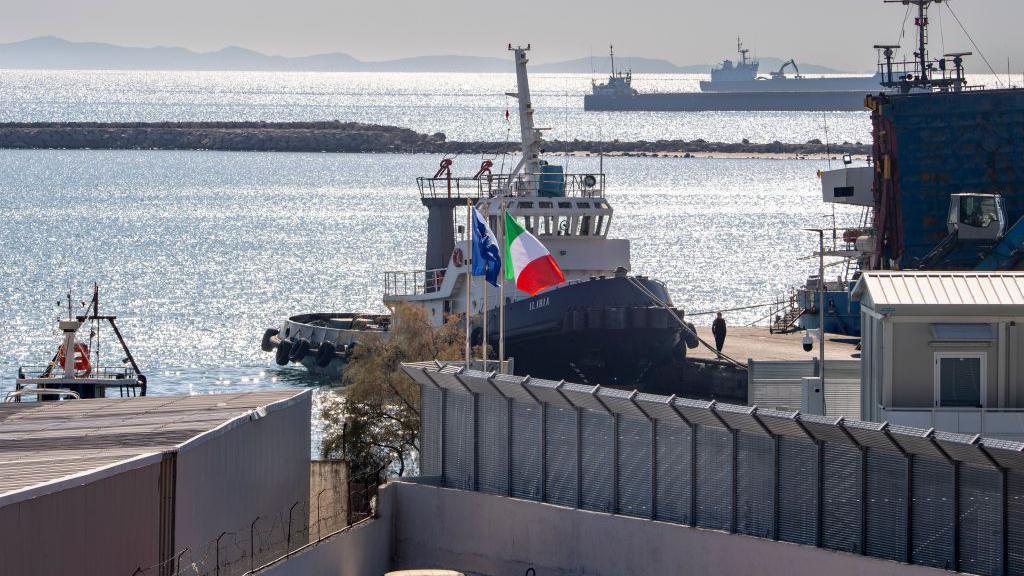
(925, 73)
(922, 32)
(743, 51)
(611, 53)
(531, 139)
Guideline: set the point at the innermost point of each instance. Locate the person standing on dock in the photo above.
(718, 329)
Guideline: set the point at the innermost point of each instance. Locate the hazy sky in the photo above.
(832, 32)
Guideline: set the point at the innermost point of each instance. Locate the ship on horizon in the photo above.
(736, 86)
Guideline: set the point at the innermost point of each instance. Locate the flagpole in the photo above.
(501, 291)
(467, 261)
(483, 346)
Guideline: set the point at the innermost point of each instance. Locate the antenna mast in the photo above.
(611, 52)
(530, 135)
(925, 75)
(743, 51)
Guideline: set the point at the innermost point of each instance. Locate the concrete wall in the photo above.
(106, 527)
(362, 550)
(257, 467)
(328, 491)
(493, 535)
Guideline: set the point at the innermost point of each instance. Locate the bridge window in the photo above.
(546, 225)
(526, 204)
(583, 205)
(600, 231)
(563, 226)
(545, 204)
(565, 204)
(585, 226)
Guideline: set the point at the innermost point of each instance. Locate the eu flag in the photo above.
(486, 255)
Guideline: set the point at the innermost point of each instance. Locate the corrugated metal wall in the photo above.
(103, 528)
(778, 384)
(257, 468)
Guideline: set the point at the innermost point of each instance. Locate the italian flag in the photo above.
(528, 262)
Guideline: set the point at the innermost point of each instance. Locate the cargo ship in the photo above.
(736, 86)
(944, 192)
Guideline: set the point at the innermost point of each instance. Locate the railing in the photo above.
(552, 184)
(266, 540)
(413, 283)
(1004, 423)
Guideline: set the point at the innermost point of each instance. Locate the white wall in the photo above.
(494, 535)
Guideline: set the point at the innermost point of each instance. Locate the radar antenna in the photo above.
(742, 51)
(922, 72)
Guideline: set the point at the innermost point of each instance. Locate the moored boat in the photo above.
(601, 325)
(78, 369)
(322, 342)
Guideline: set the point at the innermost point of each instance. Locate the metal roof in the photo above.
(43, 442)
(942, 288)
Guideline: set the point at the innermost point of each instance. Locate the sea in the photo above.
(198, 252)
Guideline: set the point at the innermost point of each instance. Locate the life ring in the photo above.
(83, 367)
(457, 258)
(589, 181)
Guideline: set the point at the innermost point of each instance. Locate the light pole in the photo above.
(821, 307)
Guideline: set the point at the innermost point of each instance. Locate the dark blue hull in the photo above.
(601, 331)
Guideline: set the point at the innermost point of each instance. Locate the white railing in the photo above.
(1003, 423)
(551, 184)
(400, 283)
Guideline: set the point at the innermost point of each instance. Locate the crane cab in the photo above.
(980, 217)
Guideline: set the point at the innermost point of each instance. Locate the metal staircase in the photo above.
(785, 317)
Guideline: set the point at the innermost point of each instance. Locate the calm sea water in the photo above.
(463, 106)
(199, 252)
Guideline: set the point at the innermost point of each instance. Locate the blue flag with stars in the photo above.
(486, 254)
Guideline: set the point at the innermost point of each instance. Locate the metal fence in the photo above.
(912, 495)
(779, 384)
(267, 539)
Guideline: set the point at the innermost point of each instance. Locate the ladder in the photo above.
(786, 316)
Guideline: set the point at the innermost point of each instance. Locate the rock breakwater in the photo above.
(345, 137)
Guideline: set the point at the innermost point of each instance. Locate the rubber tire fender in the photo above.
(325, 354)
(690, 336)
(300, 350)
(266, 345)
(283, 350)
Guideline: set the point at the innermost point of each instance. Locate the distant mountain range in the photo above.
(51, 53)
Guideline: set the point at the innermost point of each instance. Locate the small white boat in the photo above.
(83, 372)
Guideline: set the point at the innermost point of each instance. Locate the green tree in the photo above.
(373, 421)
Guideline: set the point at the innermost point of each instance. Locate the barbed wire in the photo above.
(265, 539)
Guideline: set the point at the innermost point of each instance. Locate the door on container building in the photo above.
(960, 379)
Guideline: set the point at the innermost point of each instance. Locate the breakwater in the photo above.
(337, 136)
